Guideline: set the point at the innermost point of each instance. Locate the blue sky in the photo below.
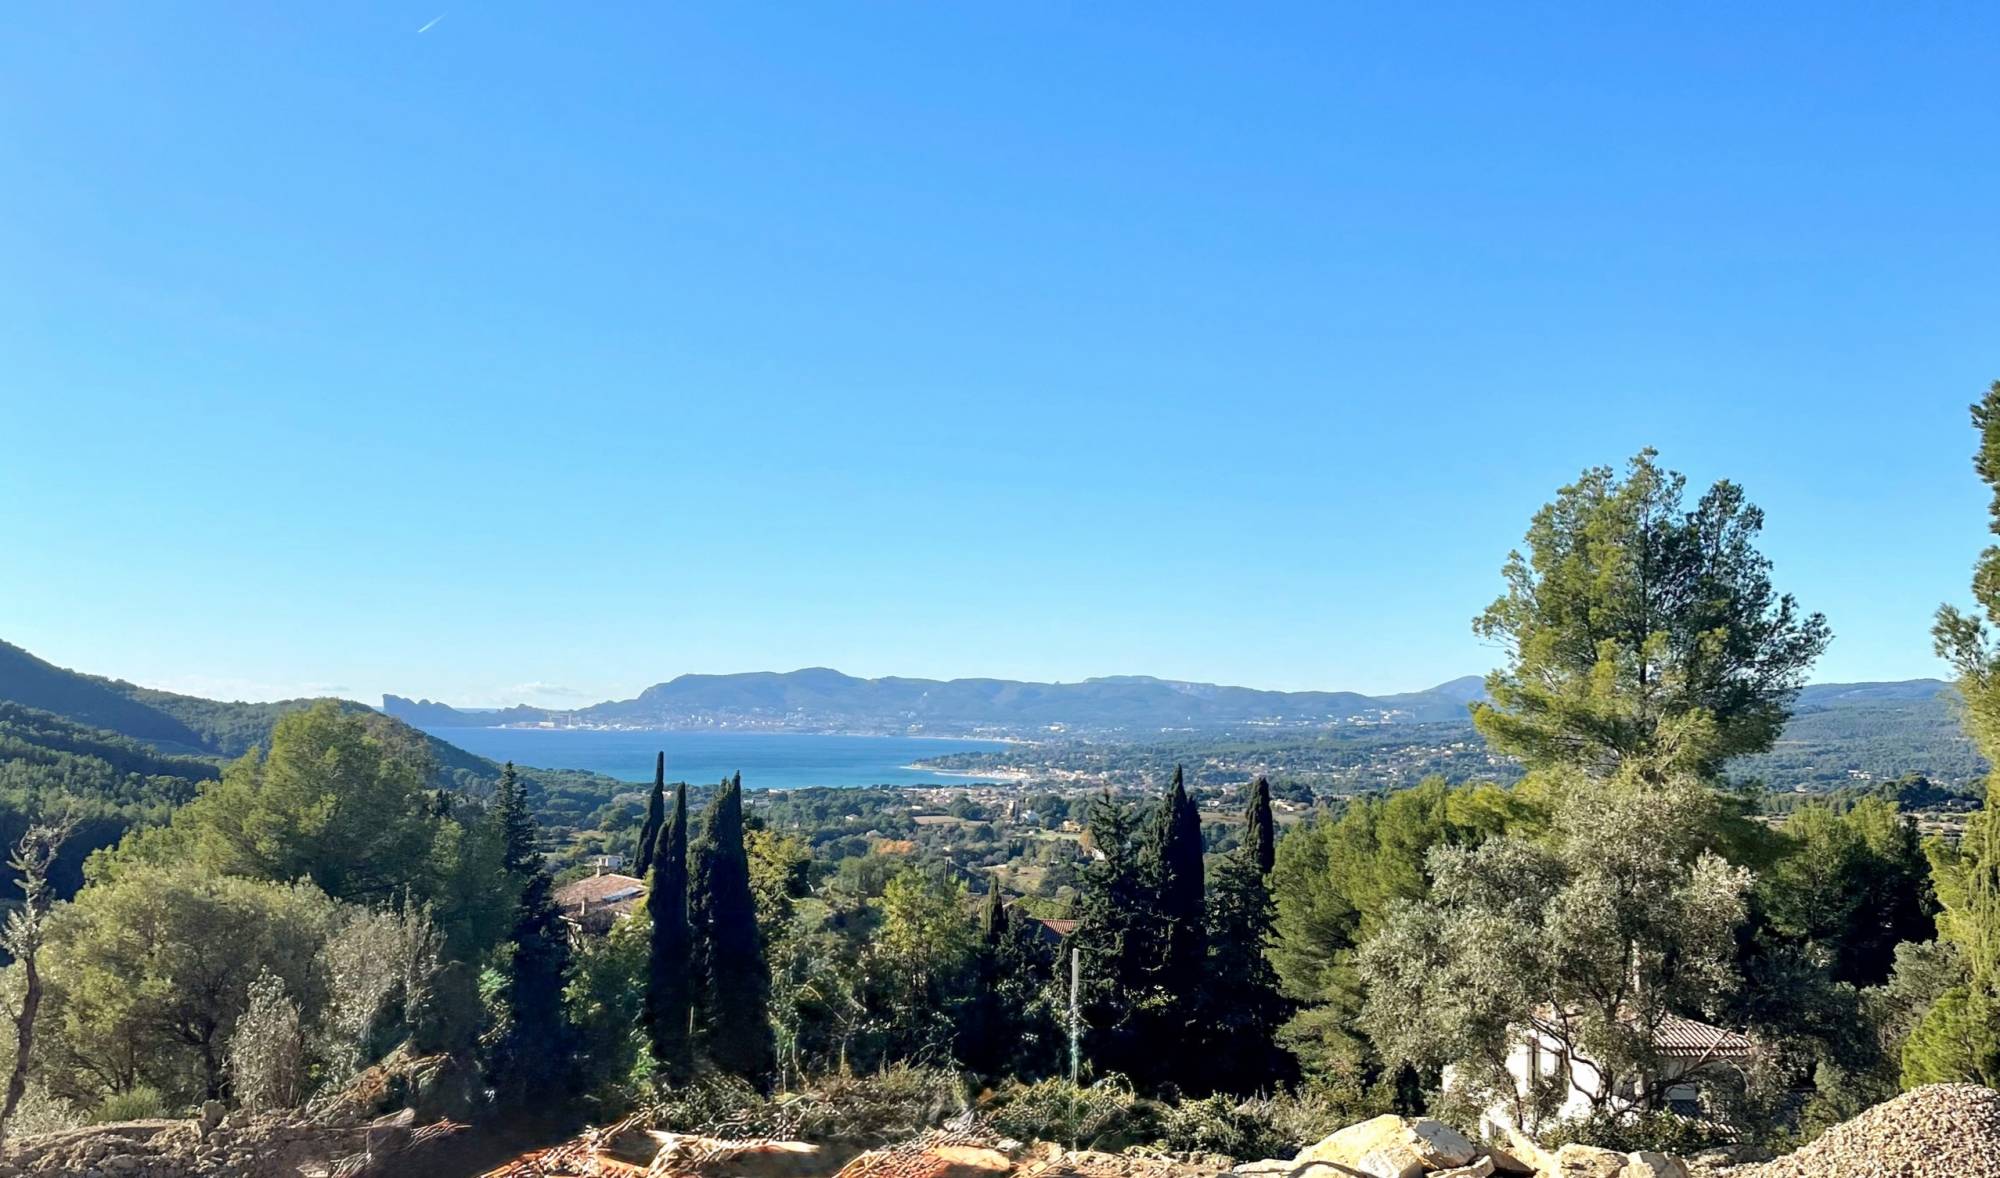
(555, 351)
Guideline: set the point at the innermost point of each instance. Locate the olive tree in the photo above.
(1615, 921)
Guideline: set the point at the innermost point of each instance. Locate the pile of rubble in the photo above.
(1386, 1147)
(1943, 1129)
(1400, 1147)
(230, 1145)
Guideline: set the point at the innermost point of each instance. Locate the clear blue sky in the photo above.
(557, 350)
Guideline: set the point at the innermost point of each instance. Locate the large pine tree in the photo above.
(668, 1011)
(735, 981)
(656, 808)
(533, 1056)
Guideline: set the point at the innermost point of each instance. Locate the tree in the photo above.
(922, 954)
(669, 1005)
(534, 1053)
(148, 974)
(735, 981)
(1964, 639)
(656, 811)
(1337, 878)
(993, 916)
(780, 873)
(1959, 1039)
(1849, 888)
(1171, 865)
(1241, 1008)
(605, 1002)
(267, 1053)
(1260, 833)
(1616, 922)
(1637, 629)
(330, 802)
(26, 929)
(1112, 939)
(382, 967)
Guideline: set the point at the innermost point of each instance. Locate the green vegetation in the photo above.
(1268, 943)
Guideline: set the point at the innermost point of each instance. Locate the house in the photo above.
(594, 903)
(1688, 1052)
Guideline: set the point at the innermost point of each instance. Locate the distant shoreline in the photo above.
(434, 729)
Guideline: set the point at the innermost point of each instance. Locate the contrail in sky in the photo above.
(431, 24)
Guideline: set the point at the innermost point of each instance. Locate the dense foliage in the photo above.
(1231, 959)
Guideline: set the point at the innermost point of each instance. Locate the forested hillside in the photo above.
(111, 749)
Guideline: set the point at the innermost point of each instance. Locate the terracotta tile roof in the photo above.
(598, 890)
(1684, 1036)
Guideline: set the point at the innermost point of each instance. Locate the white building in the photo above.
(1688, 1052)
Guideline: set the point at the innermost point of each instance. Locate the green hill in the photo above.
(115, 723)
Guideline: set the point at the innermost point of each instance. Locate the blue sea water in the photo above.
(767, 760)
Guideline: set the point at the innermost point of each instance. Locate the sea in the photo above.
(767, 760)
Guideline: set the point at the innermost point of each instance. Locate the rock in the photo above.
(1481, 1167)
(1648, 1164)
(1520, 1157)
(1588, 1161)
(1390, 1146)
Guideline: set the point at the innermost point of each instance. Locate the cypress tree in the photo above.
(1260, 834)
(1171, 871)
(669, 1013)
(993, 917)
(1173, 874)
(655, 814)
(735, 981)
(984, 1031)
(533, 1055)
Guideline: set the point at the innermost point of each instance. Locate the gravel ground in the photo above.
(1942, 1131)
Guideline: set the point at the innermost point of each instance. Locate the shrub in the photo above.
(138, 1104)
(1105, 1115)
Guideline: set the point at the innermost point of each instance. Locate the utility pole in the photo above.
(1075, 1016)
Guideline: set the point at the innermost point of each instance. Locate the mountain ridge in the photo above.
(822, 699)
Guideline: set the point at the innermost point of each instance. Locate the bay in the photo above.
(767, 760)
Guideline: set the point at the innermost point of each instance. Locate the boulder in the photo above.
(1390, 1146)
(1588, 1161)
(1481, 1167)
(1523, 1155)
(1648, 1164)
(1515, 1159)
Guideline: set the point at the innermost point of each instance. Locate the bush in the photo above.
(898, 1102)
(139, 1104)
(1104, 1115)
(1656, 1130)
(1216, 1127)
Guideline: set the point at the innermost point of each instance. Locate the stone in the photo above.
(1647, 1163)
(1481, 1167)
(1588, 1161)
(1390, 1146)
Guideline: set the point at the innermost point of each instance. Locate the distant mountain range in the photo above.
(821, 700)
(1840, 733)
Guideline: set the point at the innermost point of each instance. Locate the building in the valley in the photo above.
(1688, 1052)
(594, 903)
